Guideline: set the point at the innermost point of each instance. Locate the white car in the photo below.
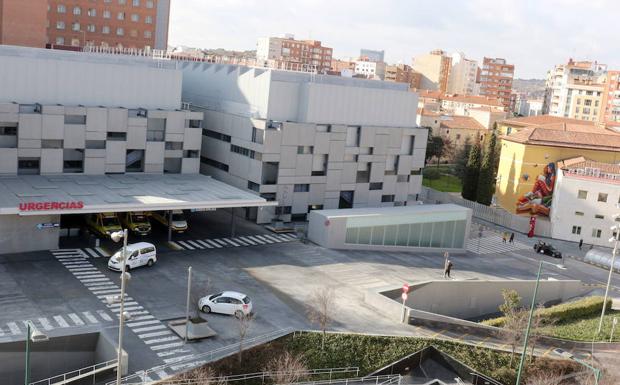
(139, 254)
(226, 302)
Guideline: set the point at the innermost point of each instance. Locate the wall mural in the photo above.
(538, 201)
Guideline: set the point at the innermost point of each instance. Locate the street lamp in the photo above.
(125, 276)
(616, 232)
(34, 335)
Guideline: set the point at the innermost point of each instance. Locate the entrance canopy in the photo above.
(76, 194)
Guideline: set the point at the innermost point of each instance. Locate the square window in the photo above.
(135, 17)
(301, 188)
(596, 233)
(582, 194)
(577, 230)
(602, 197)
(375, 186)
(599, 216)
(579, 213)
(107, 14)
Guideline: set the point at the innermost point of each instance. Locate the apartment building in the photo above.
(573, 78)
(370, 69)
(307, 141)
(434, 69)
(139, 24)
(462, 78)
(610, 111)
(372, 55)
(296, 55)
(402, 73)
(496, 79)
(585, 200)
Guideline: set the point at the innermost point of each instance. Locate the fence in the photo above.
(204, 358)
(491, 214)
(78, 374)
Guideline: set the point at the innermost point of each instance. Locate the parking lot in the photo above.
(64, 293)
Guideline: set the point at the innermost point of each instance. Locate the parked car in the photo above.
(137, 222)
(179, 224)
(547, 249)
(226, 302)
(103, 223)
(139, 254)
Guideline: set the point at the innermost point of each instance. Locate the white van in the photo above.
(139, 254)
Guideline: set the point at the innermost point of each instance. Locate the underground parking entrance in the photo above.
(42, 212)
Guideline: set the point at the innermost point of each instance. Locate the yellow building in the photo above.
(525, 153)
(510, 126)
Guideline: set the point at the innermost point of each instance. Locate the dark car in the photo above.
(545, 248)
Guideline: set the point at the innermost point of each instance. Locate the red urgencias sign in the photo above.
(45, 206)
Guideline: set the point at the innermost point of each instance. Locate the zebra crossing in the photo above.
(493, 244)
(85, 318)
(218, 243)
(154, 333)
(87, 252)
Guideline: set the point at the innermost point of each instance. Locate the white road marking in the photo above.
(260, 242)
(91, 252)
(196, 244)
(61, 321)
(149, 328)
(186, 245)
(102, 252)
(162, 339)
(141, 318)
(91, 318)
(231, 242)
(142, 323)
(104, 315)
(204, 244)
(172, 352)
(214, 244)
(77, 320)
(277, 240)
(247, 240)
(45, 323)
(95, 279)
(154, 334)
(14, 328)
(178, 359)
(220, 242)
(262, 238)
(166, 346)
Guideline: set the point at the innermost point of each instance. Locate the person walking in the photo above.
(580, 243)
(448, 268)
(512, 238)
(446, 271)
(504, 237)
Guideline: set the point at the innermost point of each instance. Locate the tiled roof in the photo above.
(472, 99)
(457, 121)
(426, 112)
(559, 123)
(544, 136)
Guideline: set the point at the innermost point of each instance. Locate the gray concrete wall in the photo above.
(470, 299)
(20, 233)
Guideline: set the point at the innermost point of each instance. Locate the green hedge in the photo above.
(563, 313)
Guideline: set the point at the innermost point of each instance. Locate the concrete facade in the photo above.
(410, 228)
(462, 79)
(307, 141)
(434, 69)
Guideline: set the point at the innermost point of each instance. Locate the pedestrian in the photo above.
(512, 237)
(504, 237)
(580, 243)
(448, 268)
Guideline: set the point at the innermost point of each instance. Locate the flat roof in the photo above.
(390, 211)
(62, 194)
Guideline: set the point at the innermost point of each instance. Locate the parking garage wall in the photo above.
(19, 233)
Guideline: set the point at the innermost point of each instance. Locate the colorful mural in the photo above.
(538, 201)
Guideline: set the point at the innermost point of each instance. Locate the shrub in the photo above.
(431, 173)
(562, 313)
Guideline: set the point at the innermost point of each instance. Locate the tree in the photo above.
(321, 307)
(515, 320)
(286, 369)
(535, 332)
(244, 323)
(203, 375)
(460, 159)
(545, 377)
(434, 147)
(512, 302)
(472, 169)
(486, 180)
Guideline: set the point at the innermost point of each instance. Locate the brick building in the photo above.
(140, 24)
(291, 54)
(496, 79)
(610, 111)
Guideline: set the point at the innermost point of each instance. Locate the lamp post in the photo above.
(616, 230)
(189, 288)
(124, 277)
(34, 335)
(529, 326)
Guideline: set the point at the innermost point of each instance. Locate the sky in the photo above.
(534, 35)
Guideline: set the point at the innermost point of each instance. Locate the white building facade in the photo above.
(307, 141)
(462, 79)
(370, 69)
(585, 200)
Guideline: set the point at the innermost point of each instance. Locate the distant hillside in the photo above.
(534, 88)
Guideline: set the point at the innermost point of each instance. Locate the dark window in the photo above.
(253, 186)
(216, 135)
(28, 166)
(192, 123)
(268, 196)
(117, 136)
(95, 144)
(246, 152)
(174, 145)
(258, 135)
(301, 188)
(315, 207)
(214, 163)
(190, 153)
(51, 143)
(283, 210)
(375, 186)
(387, 198)
(75, 119)
(155, 129)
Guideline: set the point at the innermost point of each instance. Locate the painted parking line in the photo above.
(45, 323)
(230, 241)
(220, 242)
(214, 244)
(204, 244)
(91, 318)
(186, 245)
(247, 240)
(172, 352)
(61, 321)
(196, 244)
(104, 315)
(77, 320)
(14, 328)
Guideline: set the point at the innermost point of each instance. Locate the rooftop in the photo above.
(557, 123)
(457, 121)
(544, 136)
(119, 193)
(583, 167)
(391, 211)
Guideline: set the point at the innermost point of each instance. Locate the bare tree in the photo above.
(535, 332)
(321, 307)
(286, 369)
(200, 376)
(513, 331)
(545, 377)
(244, 323)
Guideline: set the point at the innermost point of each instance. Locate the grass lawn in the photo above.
(446, 183)
(370, 353)
(583, 329)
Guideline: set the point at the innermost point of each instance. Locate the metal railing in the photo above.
(78, 374)
(203, 358)
(387, 379)
(328, 372)
(486, 380)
